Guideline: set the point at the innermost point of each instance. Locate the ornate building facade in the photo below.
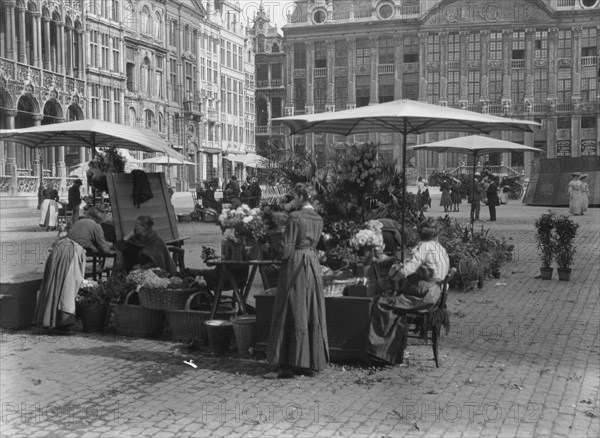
(153, 64)
(534, 59)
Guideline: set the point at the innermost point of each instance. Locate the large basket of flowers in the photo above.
(188, 324)
(244, 228)
(160, 293)
(137, 321)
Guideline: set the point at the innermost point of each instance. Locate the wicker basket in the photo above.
(188, 325)
(334, 287)
(164, 299)
(131, 320)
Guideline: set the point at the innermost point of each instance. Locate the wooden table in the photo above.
(239, 295)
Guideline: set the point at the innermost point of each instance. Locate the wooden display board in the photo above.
(159, 208)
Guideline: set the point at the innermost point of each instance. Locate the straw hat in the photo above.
(576, 174)
(96, 212)
(583, 175)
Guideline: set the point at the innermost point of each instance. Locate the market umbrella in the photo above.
(89, 133)
(405, 117)
(248, 160)
(167, 161)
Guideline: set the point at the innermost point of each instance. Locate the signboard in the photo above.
(588, 147)
(563, 148)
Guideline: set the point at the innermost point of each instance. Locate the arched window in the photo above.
(161, 122)
(275, 48)
(260, 44)
(115, 11)
(149, 116)
(129, 18)
(146, 21)
(132, 117)
(158, 26)
(146, 75)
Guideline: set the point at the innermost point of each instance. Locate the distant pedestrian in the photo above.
(575, 195)
(475, 197)
(492, 197)
(446, 200)
(420, 190)
(75, 199)
(455, 194)
(585, 191)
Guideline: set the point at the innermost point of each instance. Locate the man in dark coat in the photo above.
(75, 199)
(475, 198)
(492, 196)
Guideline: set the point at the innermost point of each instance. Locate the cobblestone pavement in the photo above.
(522, 359)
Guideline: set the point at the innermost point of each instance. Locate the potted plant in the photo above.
(470, 271)
(92, 302)
(565, 231)
(544, 226)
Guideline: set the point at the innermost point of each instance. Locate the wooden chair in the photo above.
(425, 324)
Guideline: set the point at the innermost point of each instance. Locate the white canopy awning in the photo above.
(248, 160)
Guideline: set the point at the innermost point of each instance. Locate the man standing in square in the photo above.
(75, 199)
(475, 198)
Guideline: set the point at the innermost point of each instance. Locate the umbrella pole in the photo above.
(403, 189)
(473, 187)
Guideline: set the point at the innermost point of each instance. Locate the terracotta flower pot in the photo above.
(546, 273)
(564, 274)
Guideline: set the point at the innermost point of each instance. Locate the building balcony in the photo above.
(192, 108)
(540, 108)
(587, 61)
(495, 108)
(386, 69)
(262, 130)
(565, 4)
(564, 107)
(320, 72)
(212, 115)
(517, 63)
(453, 65)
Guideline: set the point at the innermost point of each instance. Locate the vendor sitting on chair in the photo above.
(421, 276)
(143, 248)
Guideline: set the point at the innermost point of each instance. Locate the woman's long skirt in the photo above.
(63, 274)
(299, 330)
(49, 213)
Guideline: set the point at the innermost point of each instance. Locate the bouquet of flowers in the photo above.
(93, 292)
(369, 236)
(244, 222)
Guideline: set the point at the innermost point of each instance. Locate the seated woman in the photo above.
(392, 239)
(143, 248)
(88, 232)
(421, 276)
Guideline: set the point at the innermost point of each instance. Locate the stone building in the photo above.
(534, 59)
(270, 83)
(153, 64)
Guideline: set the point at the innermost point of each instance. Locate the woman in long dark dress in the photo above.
(298, 340)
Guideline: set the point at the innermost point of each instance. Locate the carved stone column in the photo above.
(289, 78)
(47, 52)
(484, 96)
(463, 96)
(374, 86)
(35, 152)
(443, 68)
(9, 34)
(529, 67)
(423, 66)
(60, 46)
(351, 103)
(22, 36)
(506, 79)
(552, 69)
(575, 65)
(310, 85)
(81, 52)
(69, 51)
(398, 58)
(37, 38)
(330, 100)
(11, 157)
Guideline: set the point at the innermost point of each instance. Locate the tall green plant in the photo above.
(566, 230)
(109, 160)
(546, 242)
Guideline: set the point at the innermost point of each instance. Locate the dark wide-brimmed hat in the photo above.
(78, 182)
(583, 175)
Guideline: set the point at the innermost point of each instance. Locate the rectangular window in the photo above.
(386, 88)
(564, 85)
(411, 48)
(589, 82)
(541, 44)
(518, 45)
(453, 47)
(173, 32)
(234, 58)
(565, 44)
(320, 94)
(299, 94)
(159, 77)
(588, 42)
(433, 87)
(299, 56)
(433, 48)
(276, 108)
(474, 46)
(540, 85)
(195, 42)
(363, 90)
(276, 75)
(517, 87)
(563, 123)
(95, 101)
(473, 86)
(94, 48)
(453, 88)
(495, 86)
(386, 50)
(496, 45)
(116, 105)
(116, 54)
(320, 54)
(588, 122)
(341, 92)
(341, 53)
(363, 51)
(410, 86)
(106, 103)
(173, 80)
(228, 61)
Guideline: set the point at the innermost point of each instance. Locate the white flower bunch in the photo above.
(367, 238)
(88, 284)
(148, 278)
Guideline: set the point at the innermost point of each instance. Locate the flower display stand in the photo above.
(347, 324)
